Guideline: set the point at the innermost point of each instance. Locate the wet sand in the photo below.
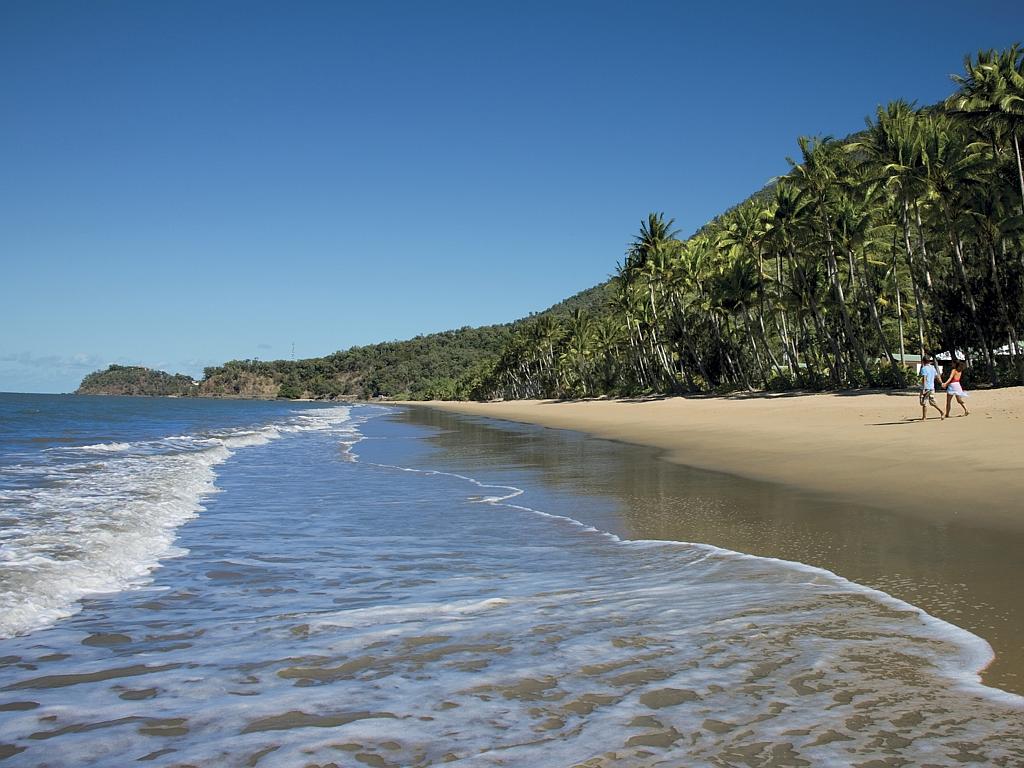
(865, 447)
(963, 569)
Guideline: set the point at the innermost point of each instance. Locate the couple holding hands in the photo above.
(929, 375)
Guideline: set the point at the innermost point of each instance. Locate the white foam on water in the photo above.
(963, 669)
(101, 527)
(97, 448)
(426, 618)
(399, 614)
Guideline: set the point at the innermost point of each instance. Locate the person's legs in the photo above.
(963, 405)
(949, 403)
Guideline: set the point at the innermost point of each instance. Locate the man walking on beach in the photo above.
(928, 375)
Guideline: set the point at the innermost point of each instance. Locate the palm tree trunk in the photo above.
(812, 350)
(923, 242)
(958, 260)
(784, 329)
(1020, 169)
(740, 371)
(870, 290)
(835, 366)
(764, 340)
(686, 343)
(657, 349)
(789, 348)
(646, 355)
(918, 303)
(837, 288)
(748, 326)
(1011, 327)
(636, 345)
(899, 301)
(723, 353)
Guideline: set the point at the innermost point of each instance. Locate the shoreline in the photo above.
(956, 557)
(863, 447)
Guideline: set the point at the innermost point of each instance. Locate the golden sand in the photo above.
(867, 446)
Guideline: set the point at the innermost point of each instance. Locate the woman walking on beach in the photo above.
(955, 389)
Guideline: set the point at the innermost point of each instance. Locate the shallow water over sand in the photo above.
(961, 572)
(372, 611)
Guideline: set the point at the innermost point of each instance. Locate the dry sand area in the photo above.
(863, 446)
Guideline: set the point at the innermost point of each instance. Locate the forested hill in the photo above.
(136, 380)
(903, 239)
(446, 365)
(426, 367)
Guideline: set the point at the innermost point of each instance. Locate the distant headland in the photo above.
(137, 380)
(440, 366)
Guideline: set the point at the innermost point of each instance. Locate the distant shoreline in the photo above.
(859, 446)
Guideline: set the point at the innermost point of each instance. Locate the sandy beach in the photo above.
(930, 512)
(866, 447)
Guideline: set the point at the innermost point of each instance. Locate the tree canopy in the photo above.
(904, 239)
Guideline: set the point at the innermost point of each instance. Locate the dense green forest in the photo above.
(438, 366)
(905, 238)
(427, 367)
(434, 366)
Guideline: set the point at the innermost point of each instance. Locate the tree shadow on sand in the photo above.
(758, 395)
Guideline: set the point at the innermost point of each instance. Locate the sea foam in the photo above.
(379, 607)
(89, 527)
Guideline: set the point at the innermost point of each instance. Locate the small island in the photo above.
(137, 380)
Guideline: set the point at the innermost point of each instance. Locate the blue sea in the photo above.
(237, 583)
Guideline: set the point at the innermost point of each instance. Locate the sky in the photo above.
(192, 182)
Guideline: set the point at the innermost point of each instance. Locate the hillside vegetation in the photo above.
(447, 365)
(905, 238)
(136, 380)
(437, 366)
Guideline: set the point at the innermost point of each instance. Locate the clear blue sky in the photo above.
(185, 183)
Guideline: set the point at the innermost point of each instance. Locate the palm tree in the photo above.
(608, 333)
(815, 271)
(784, 220)
(860, 222)
(579, 347)
(646, 259)
(993, 227)
(680, 290)
(738, 288)
(627, 302)
(951, 164)
(991, 95)
(892, 153)
(654, 233)
(817, 175)
(745, 232)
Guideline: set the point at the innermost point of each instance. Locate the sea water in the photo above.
(293, 584)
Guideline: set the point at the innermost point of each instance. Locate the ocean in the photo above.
(221, 583)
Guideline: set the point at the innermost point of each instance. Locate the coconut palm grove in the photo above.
(904, 239)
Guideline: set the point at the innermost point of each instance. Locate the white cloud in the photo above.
(78, 361)
(29, 372)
